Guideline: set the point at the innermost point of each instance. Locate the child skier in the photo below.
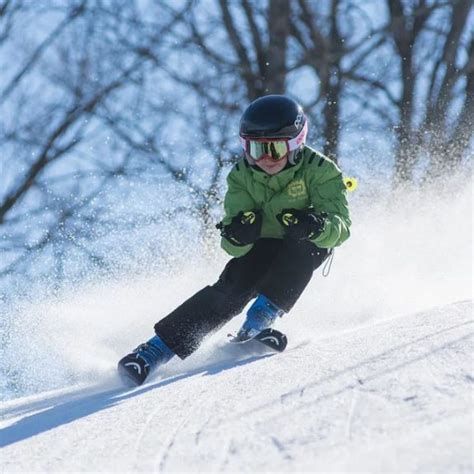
(285, 209)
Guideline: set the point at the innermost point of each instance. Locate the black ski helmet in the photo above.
(274, 116)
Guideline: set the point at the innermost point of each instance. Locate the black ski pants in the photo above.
(279, 269)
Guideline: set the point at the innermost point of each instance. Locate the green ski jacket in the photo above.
(314, 183)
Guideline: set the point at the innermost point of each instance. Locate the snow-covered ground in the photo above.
(377, 376)
(394, 396)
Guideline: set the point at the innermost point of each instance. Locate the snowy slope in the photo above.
(387, 396)
(377, 376)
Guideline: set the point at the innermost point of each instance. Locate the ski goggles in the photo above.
(276, 149)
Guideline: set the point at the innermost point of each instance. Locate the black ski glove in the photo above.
(301, 225)
(244, 229)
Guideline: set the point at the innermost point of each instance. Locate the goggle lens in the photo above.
(276, 149)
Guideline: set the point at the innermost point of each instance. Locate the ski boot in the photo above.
(135, 367)
(260, 316)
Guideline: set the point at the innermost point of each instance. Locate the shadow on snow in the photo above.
(72, 410)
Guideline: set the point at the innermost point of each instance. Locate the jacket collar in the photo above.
(278, 181)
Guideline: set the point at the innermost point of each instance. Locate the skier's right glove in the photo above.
(301, 225)
(244, 229)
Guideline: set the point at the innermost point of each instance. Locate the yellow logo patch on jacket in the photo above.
(297, 189)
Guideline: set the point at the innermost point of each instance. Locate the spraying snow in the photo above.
(407, 253)
(377, 375)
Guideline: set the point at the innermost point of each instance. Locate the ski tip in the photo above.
(127, 380)
(274, 339)
(132, 370)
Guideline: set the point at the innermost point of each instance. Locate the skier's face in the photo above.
(267, 164)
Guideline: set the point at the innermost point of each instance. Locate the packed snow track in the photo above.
(392, 396)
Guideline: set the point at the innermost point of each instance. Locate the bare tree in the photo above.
(119, 100)
(251, 49)
(322, 48)
(8, 10)
(261, 61)
(433, 45)
(60, 108)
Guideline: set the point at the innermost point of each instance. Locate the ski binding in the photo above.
(271, 338)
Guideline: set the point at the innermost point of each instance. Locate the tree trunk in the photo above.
(278, 32)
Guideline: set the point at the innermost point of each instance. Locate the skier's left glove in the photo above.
(301, 225)
(244, 229)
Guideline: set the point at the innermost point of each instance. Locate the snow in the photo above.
(377, 376)
(394, 396)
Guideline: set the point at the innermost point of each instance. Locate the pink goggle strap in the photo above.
(300, 139)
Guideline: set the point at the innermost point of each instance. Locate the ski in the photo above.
(271, 338)
(133, 370)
